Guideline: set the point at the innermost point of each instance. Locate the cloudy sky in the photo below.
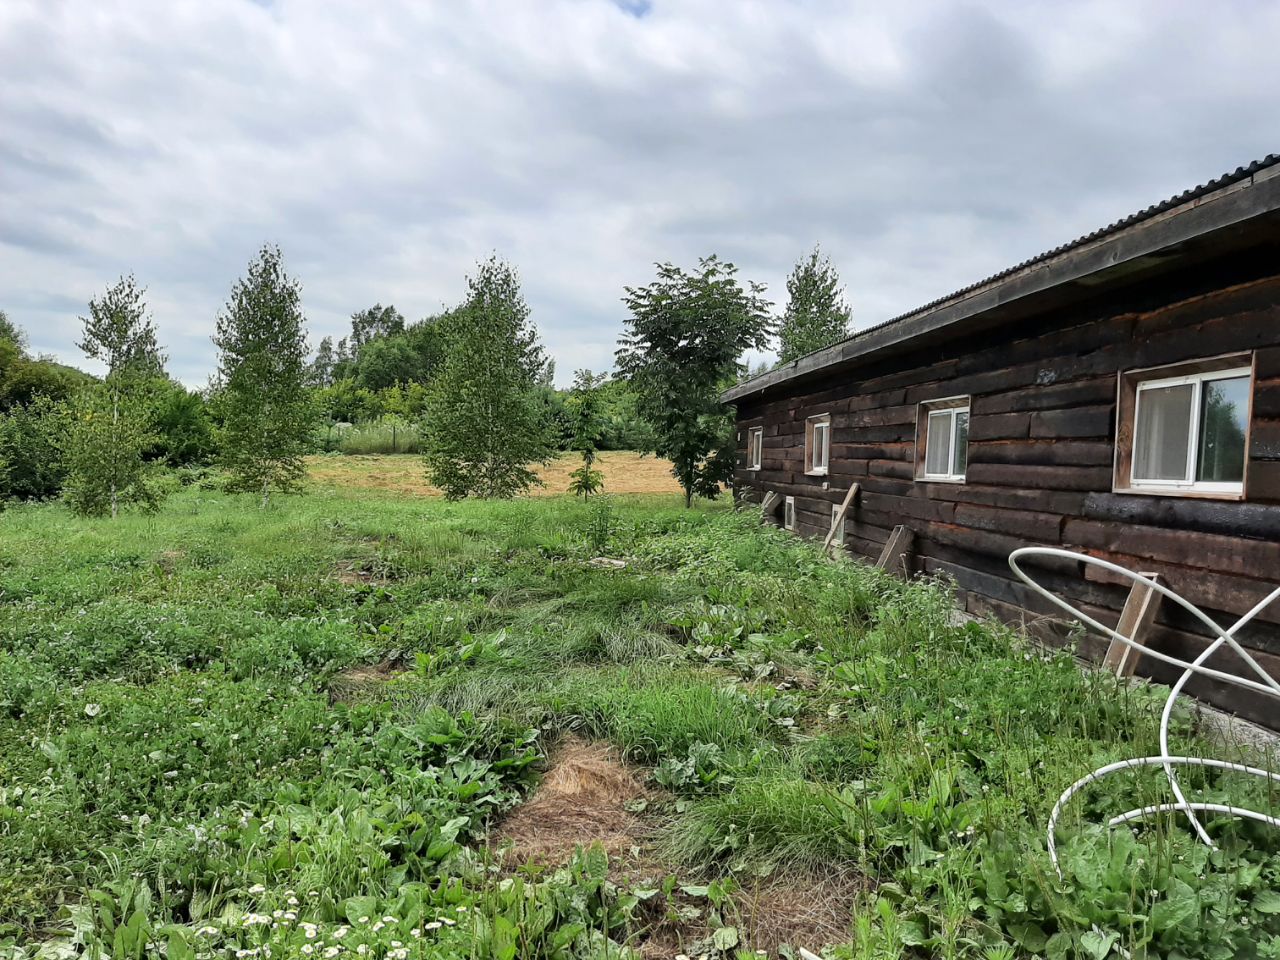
(387, 146)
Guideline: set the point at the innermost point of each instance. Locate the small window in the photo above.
(789, 514)
(1184, 429)
(817, 444)
(755, 447)
(839, 537)
(942, 440)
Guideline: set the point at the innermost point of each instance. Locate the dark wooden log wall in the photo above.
(1041, 443)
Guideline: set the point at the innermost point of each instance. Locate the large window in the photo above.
(755, 447)
(1184, 430)
(942, 440)
(817, 444)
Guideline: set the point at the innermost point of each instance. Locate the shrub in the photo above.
(32, 465)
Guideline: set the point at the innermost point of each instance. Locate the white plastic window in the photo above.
(1189, 432)
(946, 446)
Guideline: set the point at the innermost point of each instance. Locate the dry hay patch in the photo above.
(589, 795)
(583, 799)
(799, 907)
(354, 683)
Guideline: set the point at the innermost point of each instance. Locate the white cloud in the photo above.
(387, 147)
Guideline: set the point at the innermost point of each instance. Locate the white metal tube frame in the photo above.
(1266, 685)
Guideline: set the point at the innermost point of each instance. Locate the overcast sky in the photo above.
(388, 146)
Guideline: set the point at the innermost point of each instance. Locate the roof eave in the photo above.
(1233, 204)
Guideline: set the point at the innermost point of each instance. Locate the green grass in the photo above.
(173, 766)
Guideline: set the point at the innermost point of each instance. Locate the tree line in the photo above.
(474, 380)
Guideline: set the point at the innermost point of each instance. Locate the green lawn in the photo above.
(225, 729)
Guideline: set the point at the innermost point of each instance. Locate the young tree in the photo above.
(108, 436)
(816, 315)
(262, 366)
(109, 425)
(485, 423)
(681, 347)
(120, 334)
(586, 420)
(320, 371)
(377, 321)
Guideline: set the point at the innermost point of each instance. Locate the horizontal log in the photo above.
(1056, 501)
(907, 508)
(847, 446)
(891, 468)
(1239, 555)
(1223, 597)
(1044, 528)
(1081, 453)
(1053, 396)
(1033, 477)
(879, 416)
(1229, 517)
(1000, 426)
(1096, 421)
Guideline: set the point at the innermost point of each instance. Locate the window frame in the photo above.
(789, 514)
(1130, 387)
(755, 447)
(943, 407)
(811, 429)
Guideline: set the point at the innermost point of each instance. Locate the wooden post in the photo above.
(838, 520)
(1135, 619)
(895, 549)
(769, 504)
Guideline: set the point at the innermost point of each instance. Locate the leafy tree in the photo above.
(13, 333)
(262, 365)
(108, 436)
(387, 361)
(32, 466)
(181, 427)
(377, 321)
(23, 380)
(120, 334)
(816, 315)
(320, 372)
(109, 424)
(587, 419)
(485, 424)
(681, 347)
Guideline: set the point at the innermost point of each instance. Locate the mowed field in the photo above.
(359, 724)
(624, 473)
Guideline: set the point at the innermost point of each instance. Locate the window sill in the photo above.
(929, 479)
(1184, 492)
(815, 473)
(753, 469)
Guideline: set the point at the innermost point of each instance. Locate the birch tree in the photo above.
(486, 424)
(109, 428)
(262, 369)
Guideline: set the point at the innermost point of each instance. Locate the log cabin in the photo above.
(1117, 396)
